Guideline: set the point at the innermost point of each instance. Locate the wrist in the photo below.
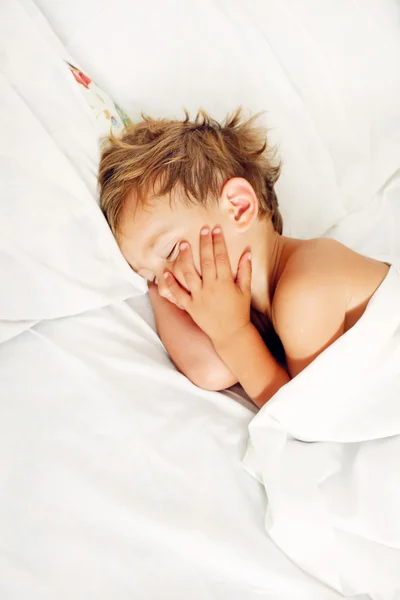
(221, 346)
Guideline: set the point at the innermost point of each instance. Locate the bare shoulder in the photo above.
(323, 289)
(325, 268)
(312, 268)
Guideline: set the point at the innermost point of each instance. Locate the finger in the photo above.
(177, 272)
(221, 257)
(181, 296)
(164, 291)
(186, 265)
(243, 277)
(207, 262)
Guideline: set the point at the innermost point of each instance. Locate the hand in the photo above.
(163, 291)
(217, 303)
(163, 288)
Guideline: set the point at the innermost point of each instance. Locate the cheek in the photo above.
(234, 258)
(234, 253)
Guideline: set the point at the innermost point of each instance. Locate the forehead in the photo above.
(141, 219)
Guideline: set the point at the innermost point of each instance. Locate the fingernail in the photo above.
(216, 230)
(205, 231)
(183, 246)
(249, 256)
(166, 275)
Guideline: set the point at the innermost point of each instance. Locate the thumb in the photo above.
(243, 277)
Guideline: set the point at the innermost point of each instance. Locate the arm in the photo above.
(221, 308)
(189, 347)
(258, 372)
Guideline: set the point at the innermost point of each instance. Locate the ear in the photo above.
(239, 202)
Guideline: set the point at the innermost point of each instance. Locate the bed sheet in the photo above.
(120, 479)
(374, 229)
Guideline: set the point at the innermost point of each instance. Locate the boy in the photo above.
(193, 208)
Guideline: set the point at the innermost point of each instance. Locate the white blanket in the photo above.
(327, 449)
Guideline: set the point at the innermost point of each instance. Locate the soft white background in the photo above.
(121, 479)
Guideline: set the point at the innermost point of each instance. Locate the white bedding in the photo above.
(327, 449)
(119, 478)
(57, 256)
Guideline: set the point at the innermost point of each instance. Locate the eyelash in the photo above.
(170, 255)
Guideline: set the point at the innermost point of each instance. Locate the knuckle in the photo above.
(208, 263)
(171, 285)
(185, 264)
(180, 263)
(221, 257)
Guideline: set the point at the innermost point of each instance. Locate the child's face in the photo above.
(150, 236)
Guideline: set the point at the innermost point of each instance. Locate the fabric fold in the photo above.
(327, 450)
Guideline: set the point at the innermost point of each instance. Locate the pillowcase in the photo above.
(58, 256)
(108, 114)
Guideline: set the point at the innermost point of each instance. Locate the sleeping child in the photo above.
(193, 208)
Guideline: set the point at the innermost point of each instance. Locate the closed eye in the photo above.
(171, 255)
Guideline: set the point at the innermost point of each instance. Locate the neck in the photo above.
(266, 253)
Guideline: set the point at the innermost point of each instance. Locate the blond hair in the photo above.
(158, 156)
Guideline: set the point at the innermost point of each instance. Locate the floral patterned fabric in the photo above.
(109, 115)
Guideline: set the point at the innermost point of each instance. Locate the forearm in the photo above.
(188, 346)
(252, 363)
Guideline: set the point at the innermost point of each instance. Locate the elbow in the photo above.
(212, 377)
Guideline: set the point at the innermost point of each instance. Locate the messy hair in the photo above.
(155, 157)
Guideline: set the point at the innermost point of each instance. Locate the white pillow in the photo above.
(57, 254)
(326, 71)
